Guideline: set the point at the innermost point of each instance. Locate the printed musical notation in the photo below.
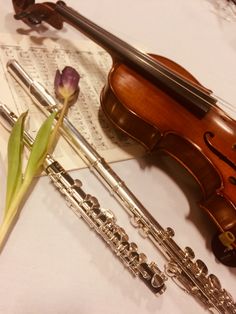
(41, 58)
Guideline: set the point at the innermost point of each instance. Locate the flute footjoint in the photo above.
(192, 276)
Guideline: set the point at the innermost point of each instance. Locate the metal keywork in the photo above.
(215, 298)
(103, 221)
(189, 275)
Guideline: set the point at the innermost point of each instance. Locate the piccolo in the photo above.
(103, 221)
(192, 276)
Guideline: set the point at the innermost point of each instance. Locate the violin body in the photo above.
(142, 110)
(162, 106)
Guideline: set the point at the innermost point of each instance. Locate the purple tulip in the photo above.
(66, 84)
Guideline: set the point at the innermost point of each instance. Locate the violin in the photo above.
(155, 101)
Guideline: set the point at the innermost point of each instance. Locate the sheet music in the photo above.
(41, 57)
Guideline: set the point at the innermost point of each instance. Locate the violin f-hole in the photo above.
(207, 138)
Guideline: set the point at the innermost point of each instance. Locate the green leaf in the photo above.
(40, 148)
(15, 147)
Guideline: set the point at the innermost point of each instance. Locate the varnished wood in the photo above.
(162, 106)
(157, 121)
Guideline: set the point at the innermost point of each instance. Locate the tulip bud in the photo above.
(66, 84)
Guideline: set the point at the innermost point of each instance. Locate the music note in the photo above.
(41, 63)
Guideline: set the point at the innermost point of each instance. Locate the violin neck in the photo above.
(194, 98)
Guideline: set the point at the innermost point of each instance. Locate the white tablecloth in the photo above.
(53, 263)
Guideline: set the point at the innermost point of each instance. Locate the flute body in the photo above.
(192, 276)
(103, 221)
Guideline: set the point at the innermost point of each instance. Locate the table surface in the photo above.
(53, 262)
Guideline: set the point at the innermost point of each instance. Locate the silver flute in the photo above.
(189, 274)
(103, 221)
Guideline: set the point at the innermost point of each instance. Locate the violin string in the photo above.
(153, 62)
(172, 73)
(187, 81)
(148, 59)
(165, 70)
(224, 103)
(220, 101)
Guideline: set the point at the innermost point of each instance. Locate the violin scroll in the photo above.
(155, 101)
(33, 14)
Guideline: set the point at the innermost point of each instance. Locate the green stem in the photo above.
(15, 203)
(12, 211)
(52, 141)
